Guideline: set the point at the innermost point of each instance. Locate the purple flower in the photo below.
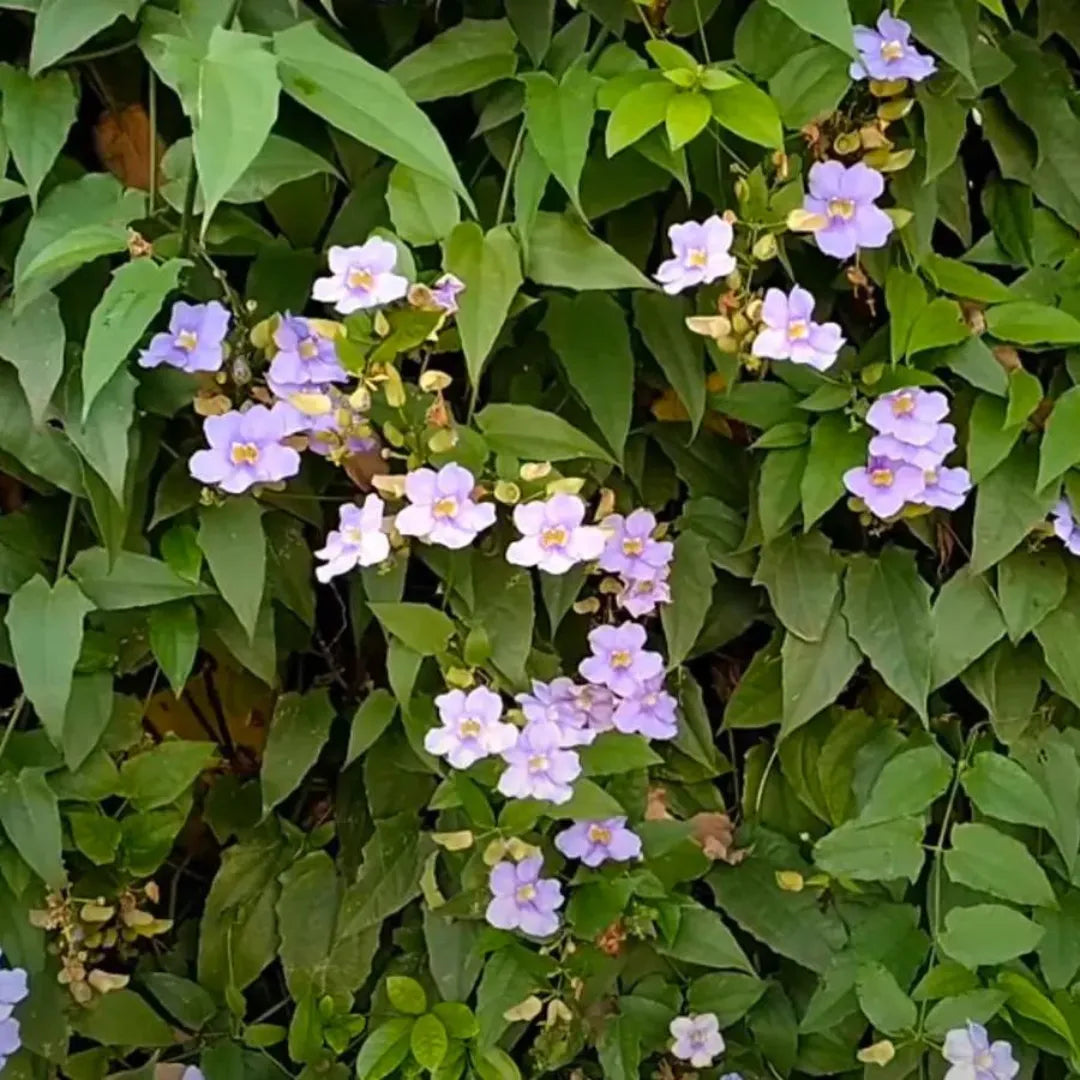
(974, 1057)
(631, 550)
(442, 510)
(304, 359)
(594, 842)
(358, 540)
(246, 448)
(924, 457)
(471, 729)
(844, 197)
(13, 989)
(1065, 527)
(193, 1072)
(445, 291)
(640, 597)
(553, 537)
(596, 706)
(557, 703)
(620, 661)
(702, 254)
(885, 485)
(193, 341)
(945, 488)
(537, 765)
(697, 1039)
(522, 899)
(791, 333)
(887, 53)
(911, 415)
(649, 711)
(361, 277)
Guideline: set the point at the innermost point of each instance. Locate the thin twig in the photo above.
(98, 54)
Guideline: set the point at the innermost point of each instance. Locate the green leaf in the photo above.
(908, 784)
(883, 1000)
(987, 860)
(966, 622)
(467, 57)
(370, 721)
(612, 753)
(1008, 505)
(619, 1049)
(1031, 584)
(939, 324)
(829, 20)
(962, 279)
(60, 28)
(182, 998)
(1058, 451)
(905, 296)
(1057, 636)
(490, 266)
(758, 699)
(987, 934)
(33, 343)
(37, 115)
(1006, 681)
(1059, 950)
(506, 981)
(1003, 789)
(232, 539)
(31, 818)
(160, 775)
(1029, 1001)
(563, 253)
(686, 117)
(975, 1006)
(406, 995)
(424, 629)
(989, 440)
(363, 101)
(749, 112)
(590, 336)
(728, 994)
(692, 580)
(810, 85)
(534, 435)
(661, 321)
(429, 1041)
(975, 362)
(815, 673)
(134, 296)
(802, 577)
(1025, 393)
(887, 607)
(779, 488)
(423, 210)
(1025, 322)
(123, 1018)
(636, 114)
(559, 117)
(703, 938)
(834, 448)
(941, 26)
(875, 851)
(45, 626)
(174, 641)
(532, 22)
(299, 728)
(130, 581)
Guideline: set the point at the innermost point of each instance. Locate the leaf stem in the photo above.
(511, 168)
(98, 54)
(187, 218)
(16, 712)
(65, 541)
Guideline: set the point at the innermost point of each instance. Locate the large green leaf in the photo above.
(802, 576)
(692, 580)
(1026, 322)
(563, 253)
(829, 20)
(363, 101)
(703, 938)
(887, 606)
(966, 621)
(988, 934)
(464, 58)
(908, 784)
(60, 28)
(423, 210)
(873, 851)
(131, 580)
(30, 816)
(944, 26)
(232, 539)
(424, 629)
(989, 861)
(559, 117)
(299, 728)
(1000, 787)
(1031, 584)
(814, 673)
(835, 447)
(535, 435)
(33, 343)
(661, 321)
(1058, 451)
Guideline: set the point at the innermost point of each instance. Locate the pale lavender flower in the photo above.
(649, 711)
(538, 767)
(924, 457)
(193, 1072)
(642, 595)
(13, 989)
(697, 1039)
(10, 1040)
(885, 485)
(553, 537)
(246, 448)
(595, 842)
(557, 703)
(620, 661)
(193, 341)
(911, 415)
(945, 488)
(974, 1057)
(444, 292)
(358, 540)
(1065, 526)
(304, 360)
(596, 706)
(702, 254)
(631, 550)
(472, 727)
(361, 277)
(442, 510)
(522, 899)
(731, 1076)
(791, 334)
(887, 53)
(844, 198)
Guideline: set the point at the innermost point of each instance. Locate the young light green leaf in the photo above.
(299, 728)
(686, 117)
(636, 113)
(60, 28)
(749, 112)
(384, 1049)
(429, 1041)
(661, 321)
(232, 539)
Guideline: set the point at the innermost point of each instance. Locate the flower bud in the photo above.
(454, 841)
(529, 1009)
(565, 485)
(884, 88)
(803, 221)
(535, 470)
(443, 441)
(507, 492)
(765, 247)
(391, 486)
(790, 880)
(459, 678)
(433, 380)
(879, 1053)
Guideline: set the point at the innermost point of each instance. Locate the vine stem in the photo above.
(511, 168)
(13, 719)
(187, 217)
(65, 542)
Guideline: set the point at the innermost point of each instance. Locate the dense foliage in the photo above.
(539, 537)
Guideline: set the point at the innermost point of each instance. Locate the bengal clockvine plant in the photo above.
(539, 537)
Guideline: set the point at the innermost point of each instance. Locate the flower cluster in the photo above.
(907, 455)
(13, 989)
(641, 561)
